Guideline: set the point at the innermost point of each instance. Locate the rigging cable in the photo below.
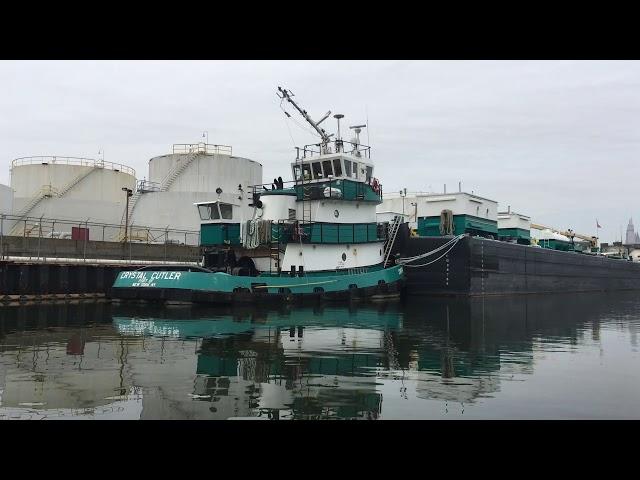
(450, 244)
(302, 126)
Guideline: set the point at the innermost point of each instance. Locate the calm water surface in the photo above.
(559, 357)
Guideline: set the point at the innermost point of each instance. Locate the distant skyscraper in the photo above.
(631, 234)
(637, 240)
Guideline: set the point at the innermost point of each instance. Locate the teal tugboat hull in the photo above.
(210, 287)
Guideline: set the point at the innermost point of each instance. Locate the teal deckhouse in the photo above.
(456, 213)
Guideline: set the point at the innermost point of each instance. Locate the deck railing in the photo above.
(204, 148)
(84, 162)
(42, 227)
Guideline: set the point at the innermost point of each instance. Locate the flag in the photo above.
(597, 224)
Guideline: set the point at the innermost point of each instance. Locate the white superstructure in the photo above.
(513, 220)
(460, 203)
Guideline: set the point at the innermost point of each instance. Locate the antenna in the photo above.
(366, 110)
(338, 116)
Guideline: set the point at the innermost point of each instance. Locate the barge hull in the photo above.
(478, 266)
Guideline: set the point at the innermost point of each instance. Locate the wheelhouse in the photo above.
(324, 167)
(217, 211)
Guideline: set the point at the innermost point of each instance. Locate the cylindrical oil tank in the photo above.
(203, 169)
(192, 173)
(6, 199)
(70, 188)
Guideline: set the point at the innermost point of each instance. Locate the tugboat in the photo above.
(315, 237)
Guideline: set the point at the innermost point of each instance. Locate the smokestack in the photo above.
(508, 208)
(459, 186)
(445, 188)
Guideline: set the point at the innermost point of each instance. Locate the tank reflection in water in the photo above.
(557, 356)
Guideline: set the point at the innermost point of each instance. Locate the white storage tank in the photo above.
(192, 173)
(6, 199)
(71, 188)
(203, 168)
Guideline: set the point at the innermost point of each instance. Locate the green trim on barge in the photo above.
(430, 226)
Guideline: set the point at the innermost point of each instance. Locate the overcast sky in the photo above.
(558, 141)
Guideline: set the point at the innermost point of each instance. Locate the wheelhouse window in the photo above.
(226, 211)
(326, 166)
(205, 212)
(216, 211)
(369, 173)
(306, 171)
(355, 169)
(317, 170)
(337, 167)
(347, 168)
(297, 172)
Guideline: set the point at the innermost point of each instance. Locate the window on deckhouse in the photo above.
(205, 212)
(347, 168)
(326, 166)
(306, 171)
(337, 167)
(317, 170)
(226, 211)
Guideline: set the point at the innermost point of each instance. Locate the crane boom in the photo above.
(286, 94)
(590, 238)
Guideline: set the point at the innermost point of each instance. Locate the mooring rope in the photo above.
(449, 246)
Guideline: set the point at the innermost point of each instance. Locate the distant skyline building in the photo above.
(632, 235)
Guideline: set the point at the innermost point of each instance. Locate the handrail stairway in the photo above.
(394, 227)
(166, 183)
(48, 191)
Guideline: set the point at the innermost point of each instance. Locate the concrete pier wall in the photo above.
(51, 248)
(40, 267)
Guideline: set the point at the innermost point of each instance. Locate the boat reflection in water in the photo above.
(551, 356)
(300, 363)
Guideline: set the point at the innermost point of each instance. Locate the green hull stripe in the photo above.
(225, 283)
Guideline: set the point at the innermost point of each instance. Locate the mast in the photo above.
(286, 95)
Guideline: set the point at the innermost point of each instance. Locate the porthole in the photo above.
(344, 257)
(336, 213)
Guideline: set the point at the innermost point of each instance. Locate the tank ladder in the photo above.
(165, 184)
(391, 238)
(177, 170)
